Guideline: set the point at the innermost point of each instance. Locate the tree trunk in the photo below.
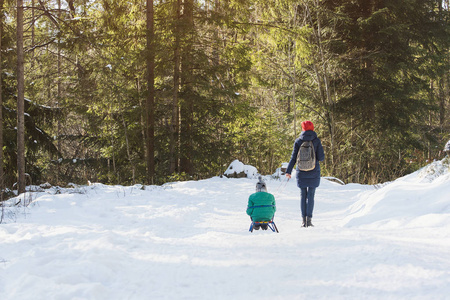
(32, 32)
(188, 92)
(58, 130)
(292, 60)
(151, 93)
(1, 107)
(142, 113)
(20, 101)
(321, 70)
(175, 129)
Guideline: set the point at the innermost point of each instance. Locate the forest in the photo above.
(126, 92)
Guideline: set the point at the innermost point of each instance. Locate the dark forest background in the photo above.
(125, 92)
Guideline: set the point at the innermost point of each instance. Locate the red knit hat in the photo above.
(307, 125)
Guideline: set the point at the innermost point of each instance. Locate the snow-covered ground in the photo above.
(190, 240)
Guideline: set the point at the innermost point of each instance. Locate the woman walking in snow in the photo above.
(309, 180)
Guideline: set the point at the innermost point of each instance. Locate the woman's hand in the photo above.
(288, 176)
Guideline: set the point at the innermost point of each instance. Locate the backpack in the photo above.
(306, 159)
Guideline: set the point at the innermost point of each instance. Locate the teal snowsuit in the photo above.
(264, 213)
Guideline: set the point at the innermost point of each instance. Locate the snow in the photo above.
(237, 167)
(190, 240)
(416, 200)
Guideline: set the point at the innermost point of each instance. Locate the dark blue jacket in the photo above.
(307, 178)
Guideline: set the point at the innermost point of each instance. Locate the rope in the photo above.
(282, 185)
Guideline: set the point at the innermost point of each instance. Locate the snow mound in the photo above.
(420, 199)
(237, 169)
(435, 170)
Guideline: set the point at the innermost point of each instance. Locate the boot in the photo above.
(304, 222)
(308, 222)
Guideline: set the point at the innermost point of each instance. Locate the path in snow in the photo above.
(190, 240)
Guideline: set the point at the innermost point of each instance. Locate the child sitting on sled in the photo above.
(261, 205)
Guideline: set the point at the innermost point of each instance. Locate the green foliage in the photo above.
(372, 76)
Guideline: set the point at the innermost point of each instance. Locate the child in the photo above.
(261, 205)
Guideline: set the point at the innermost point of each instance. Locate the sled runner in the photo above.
(264, 225)
(268, 224)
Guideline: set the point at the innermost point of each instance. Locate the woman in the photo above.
(307, 181)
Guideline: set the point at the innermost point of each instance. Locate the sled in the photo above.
(270, 224)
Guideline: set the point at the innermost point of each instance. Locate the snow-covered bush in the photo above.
(434, 170)
(238, 169)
